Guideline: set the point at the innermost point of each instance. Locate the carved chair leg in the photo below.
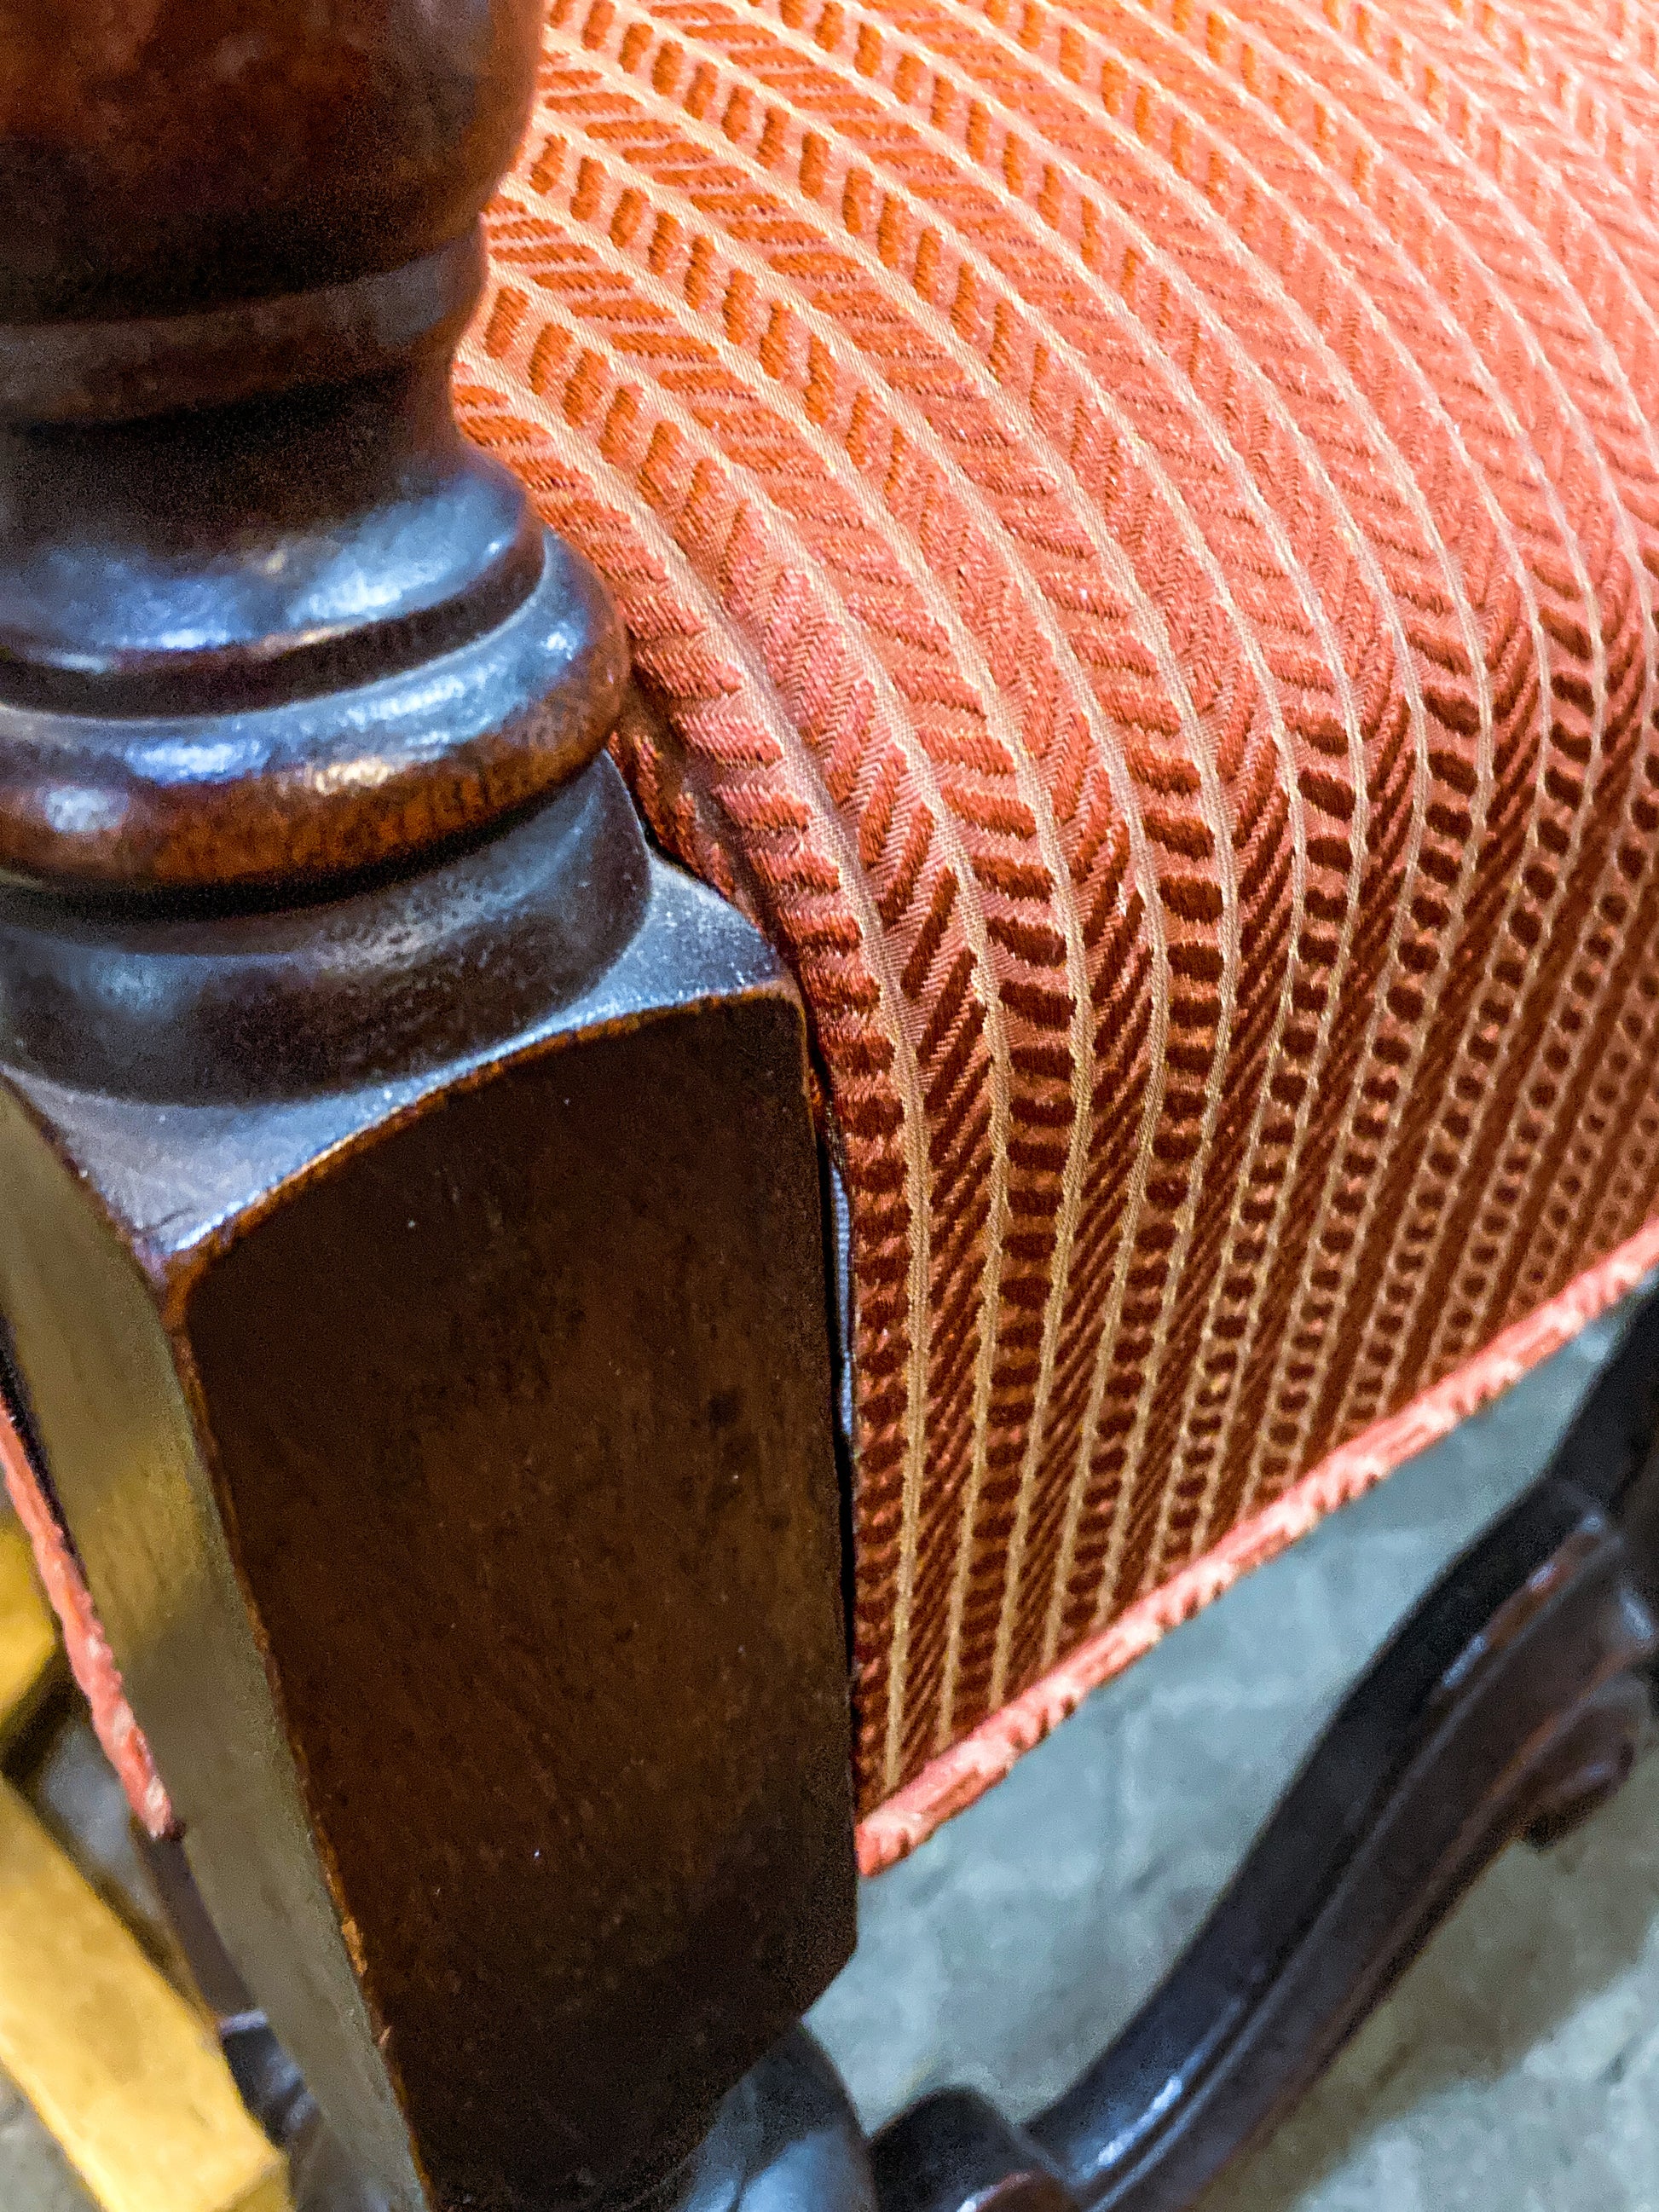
(409, 1269)
(1511, 1702)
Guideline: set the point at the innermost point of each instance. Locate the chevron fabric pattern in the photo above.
(1139, 525)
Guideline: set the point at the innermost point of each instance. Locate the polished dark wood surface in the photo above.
(166, 156)
(529, 1495)
(409, 1247)
(227, 1008)
(516, 1459)
(238, 242)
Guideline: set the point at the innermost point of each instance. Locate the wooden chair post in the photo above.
(409, 1258)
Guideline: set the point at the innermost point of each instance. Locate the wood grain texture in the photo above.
(169, 153)
(409, 1206)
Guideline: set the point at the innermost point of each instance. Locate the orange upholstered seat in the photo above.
(1139, 526)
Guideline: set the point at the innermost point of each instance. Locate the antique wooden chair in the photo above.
(1120, 544)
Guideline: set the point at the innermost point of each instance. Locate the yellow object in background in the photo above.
(122, 2071)
(28, 1634)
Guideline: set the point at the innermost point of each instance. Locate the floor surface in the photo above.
(1516, 2067)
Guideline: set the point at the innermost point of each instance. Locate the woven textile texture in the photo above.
(1140, 532)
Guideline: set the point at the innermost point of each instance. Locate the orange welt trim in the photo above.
(950, 1784)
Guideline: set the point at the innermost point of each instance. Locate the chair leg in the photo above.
(1512, 1702)
(786, 2139)
(410, 1268)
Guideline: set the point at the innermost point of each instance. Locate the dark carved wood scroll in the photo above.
(409, 1240)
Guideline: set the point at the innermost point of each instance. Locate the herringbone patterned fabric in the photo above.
(1140, 530)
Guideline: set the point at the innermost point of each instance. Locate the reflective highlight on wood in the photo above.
(410, 1253)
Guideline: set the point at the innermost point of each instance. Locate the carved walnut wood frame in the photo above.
(410, 1256)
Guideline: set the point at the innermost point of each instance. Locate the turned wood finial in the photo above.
(239, 241)
(409, 1263)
